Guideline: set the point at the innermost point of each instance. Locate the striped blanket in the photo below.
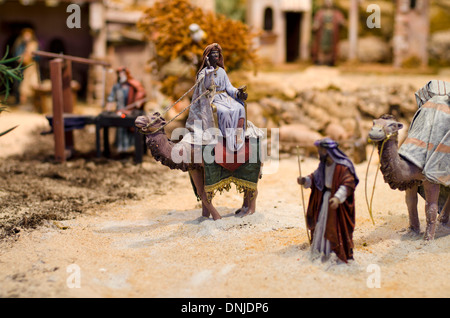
(428, 141)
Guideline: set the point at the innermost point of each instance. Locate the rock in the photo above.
(370, 50)
(394, 100)
(91, 166)
(270, 104)
(317, 117)
(305, 96)
(372, 108)
(439, 48)
(336, 132)
(289, 92)
(344, 115)
(300, 135)
(350, 126)
(255, 114)
(290, 113)
(324, 100)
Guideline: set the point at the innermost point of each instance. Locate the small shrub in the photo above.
(166, 24)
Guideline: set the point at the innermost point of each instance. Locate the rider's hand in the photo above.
(242, 95)
(301, 180)
(209, 70)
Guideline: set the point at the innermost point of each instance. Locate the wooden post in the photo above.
(425, 34)
(305, 39)
(353, 30)
(56, 67)
(67, 100)
(61, 77)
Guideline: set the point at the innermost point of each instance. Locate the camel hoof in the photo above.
(428, 236)
(443, 220)
(430, 231)
(245, 213)
(415, 230)
(241, 212)
(206, 215)
(202, 218)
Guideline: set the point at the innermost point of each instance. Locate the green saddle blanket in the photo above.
(245, 177)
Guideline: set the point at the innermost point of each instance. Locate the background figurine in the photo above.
(24, 46)
(331, 210)
(326, 26)
(126, 97)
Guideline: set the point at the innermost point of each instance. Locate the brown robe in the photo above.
(318, 55)
(341, 221)
(136, 93)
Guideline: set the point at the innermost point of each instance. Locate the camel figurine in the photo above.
(403, 175)
(161, 149)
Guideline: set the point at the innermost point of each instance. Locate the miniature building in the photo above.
(411, 31)
(48, 20)
(107, 32)
(285, 26)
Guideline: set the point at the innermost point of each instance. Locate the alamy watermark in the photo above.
(74, 278)
(374, 279)
(207, 148)
(73, 21)
(374, 19)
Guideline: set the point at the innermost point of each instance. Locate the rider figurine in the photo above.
(226, 105)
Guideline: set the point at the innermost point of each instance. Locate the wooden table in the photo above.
(62, 97)
(108, 119)
(72, 121)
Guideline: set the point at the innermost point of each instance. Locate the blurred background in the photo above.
(272, 46)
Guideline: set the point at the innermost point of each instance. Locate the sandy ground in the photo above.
(159, 246)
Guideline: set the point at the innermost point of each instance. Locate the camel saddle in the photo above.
(231, 160)
(241, 168)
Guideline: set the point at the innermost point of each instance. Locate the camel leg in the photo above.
(445, 212)
(205, 211)
(411, 203)
(251, 205)
(249, 201)
(244, 206)
(197, 177)
(431, 208)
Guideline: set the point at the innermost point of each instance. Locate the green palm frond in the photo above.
(8, 130)
(8, 75)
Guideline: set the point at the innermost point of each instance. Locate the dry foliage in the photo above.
(167, 23)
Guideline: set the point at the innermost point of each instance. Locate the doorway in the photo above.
(293, 23)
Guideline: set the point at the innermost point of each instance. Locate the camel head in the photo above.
(384, 127)
(150, 123)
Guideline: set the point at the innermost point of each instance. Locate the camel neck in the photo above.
(161, 149)
(397, 172)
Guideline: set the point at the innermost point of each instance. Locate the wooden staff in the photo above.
(303, 197)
